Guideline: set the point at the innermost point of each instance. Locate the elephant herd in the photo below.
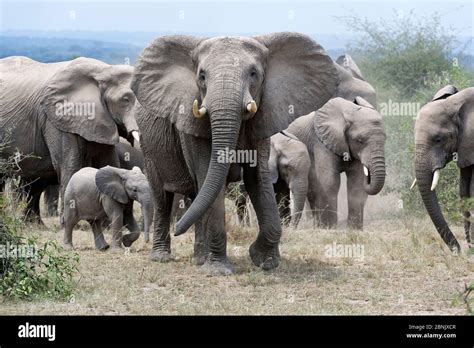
(188, 100)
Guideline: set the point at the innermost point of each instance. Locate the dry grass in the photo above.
(405, 270)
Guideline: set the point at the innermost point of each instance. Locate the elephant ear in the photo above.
(299, 78)
(445, 92)
(466, 138)
(72, 101)
(349, 64)
(109, 181)
(165, 83)
(362, 102)
(330, 126)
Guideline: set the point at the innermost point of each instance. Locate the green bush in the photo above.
(29, 269)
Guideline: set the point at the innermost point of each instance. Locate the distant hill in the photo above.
(60, 49)
(115, 47)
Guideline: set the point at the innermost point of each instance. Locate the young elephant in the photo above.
(343, 136)
(289, 165)
(96, 194)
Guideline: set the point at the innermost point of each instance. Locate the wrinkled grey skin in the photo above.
(445, 128)
(289, 164)
(224, 75)
(63, 140)
(95, 195)
(352, 83)
(342, 136)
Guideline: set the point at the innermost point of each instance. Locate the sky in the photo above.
(226, 17)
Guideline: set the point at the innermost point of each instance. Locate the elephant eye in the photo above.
(202, 76)
(135, 189)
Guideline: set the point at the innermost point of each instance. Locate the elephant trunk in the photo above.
(299, 191)
(374, 181)
(224, 103)
(424, 176)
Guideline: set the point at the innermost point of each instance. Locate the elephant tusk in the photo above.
(198, 113)
(252, 106)
(413, 185)
(366, 171)
(136, 135)
(435, 180)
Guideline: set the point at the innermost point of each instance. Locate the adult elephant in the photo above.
(444, 129)
(289, 164)
(65, 116)
(343, 136)
(205, 98)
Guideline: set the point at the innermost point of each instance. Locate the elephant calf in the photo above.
(97, 194)
(289, 165)
(343, 136)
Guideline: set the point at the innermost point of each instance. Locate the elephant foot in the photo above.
(103, 247)
(266, 259)
(455, 247)
(218, 267)
(128, 239)
(199, 258)
(68, 246)
(160, 256)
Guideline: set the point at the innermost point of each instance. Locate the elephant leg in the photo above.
(242, 213)
(131, 224)
(67, 158)
(161, 250)
(33, 206)
(99, 239)
(466, 190)
(68, 228)
(356, 196)
(115, 213)
(264, 251)
(327, 187)
(51, 195)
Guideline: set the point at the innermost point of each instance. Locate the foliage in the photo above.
(407, 60)
(28, 269)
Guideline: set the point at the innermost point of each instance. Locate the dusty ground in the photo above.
(405, 269)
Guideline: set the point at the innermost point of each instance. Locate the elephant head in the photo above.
(444, 128)
(124, 185)
(219, 88)
(352, 83)
(92, 99)
(354, 130)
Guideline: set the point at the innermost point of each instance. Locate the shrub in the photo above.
(29, 269)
